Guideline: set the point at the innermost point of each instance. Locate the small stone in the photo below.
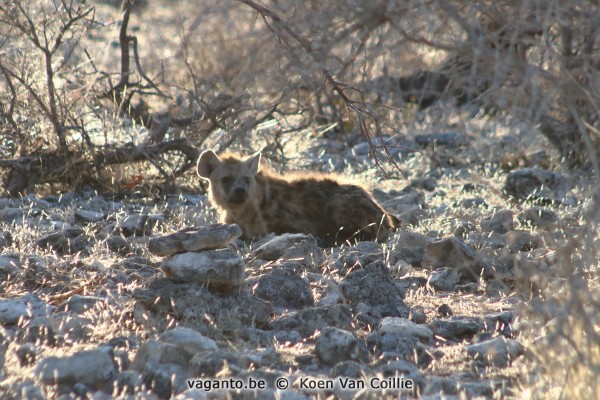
(501, 322)
(305, 359)
(27, 354)
(371, 285)
(411, 282)
(538, 217)
(535, 182)
(467, 288)
(446, 139)
(403, 369)
(362, 253)
(264, 338)
(165, 380)
(360, 149)
(468, 188)
(428, 183)
(475, 202)
(93, 368)
(87, 216)
(118, 245)
(409, 239)
(282, 288)
(25, 389)
(66, 241)
(457, 328)
(405, 327)
(331, 297)
(311, 319)
(404, 203)
(498, 352)
(5, 239)
(59, 225)
(123, 342)
(307, 253)
(372, 315)
(417, 315)
(404, 346)
(335, 345)
(410, 255)
(71, 327)
(26, 307)
(500, 222)
(211, 363)
(138, 225)
(223, 267)
(443, 279)
(81, 391)
(127, 382)
(163, 353)
(464, 229)
(454, 253)
(350, 369)
(438, 388)
(10, 264)
(191, 240)
(445, 311)
(488, 240)
(37, 331)
(276, 247)
(188, 339)
(79, 304)
(401, 268)
(139, 265)
(521, 241)
(16, 214)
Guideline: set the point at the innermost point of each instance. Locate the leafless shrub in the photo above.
(38, 44)
(314, 62)
(535, 60)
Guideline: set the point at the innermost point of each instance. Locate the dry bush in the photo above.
(536, 61)
(38, 79)
(565, 349)
(297, 64)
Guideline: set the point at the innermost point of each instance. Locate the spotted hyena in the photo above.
(261, 201)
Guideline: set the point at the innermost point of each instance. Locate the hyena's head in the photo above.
(232, 180)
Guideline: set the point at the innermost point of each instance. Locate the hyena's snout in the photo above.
(238, 195)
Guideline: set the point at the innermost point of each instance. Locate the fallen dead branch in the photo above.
(49, 167)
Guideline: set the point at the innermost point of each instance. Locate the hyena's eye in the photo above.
(226, 179)
(246, 180)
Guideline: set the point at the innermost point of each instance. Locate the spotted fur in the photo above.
(261, 201)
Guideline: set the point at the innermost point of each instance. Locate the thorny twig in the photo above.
(364, 116)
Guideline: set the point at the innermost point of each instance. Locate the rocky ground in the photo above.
(136, 297)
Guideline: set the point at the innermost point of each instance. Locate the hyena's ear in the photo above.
(207, 163)
(253, 162)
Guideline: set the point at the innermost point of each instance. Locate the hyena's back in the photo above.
(323, 206)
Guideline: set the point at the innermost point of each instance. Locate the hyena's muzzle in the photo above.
(237, 190)
(238, 196)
